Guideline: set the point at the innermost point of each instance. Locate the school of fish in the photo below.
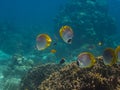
(84, 59)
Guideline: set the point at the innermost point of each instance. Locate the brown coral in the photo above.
(71, 77)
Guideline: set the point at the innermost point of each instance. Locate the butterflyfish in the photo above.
(85, 60)
(109, 57)
(117, 53)
(43, 41)
(66, 33)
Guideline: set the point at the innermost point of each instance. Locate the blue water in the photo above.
(114, 10)
(26, 19)
(30, 12)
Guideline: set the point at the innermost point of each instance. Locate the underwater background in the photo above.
(95, 26)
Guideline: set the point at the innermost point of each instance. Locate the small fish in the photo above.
(85, 60)
(54, 44)
(43, 41)
(66, 33)
(62, 61)
(100, 43)
(53, 51)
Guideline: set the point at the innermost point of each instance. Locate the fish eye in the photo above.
(77, 63)
(69, 40)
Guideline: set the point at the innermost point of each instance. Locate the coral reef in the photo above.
(18, 66)
(12, 70)
(87, 18)
(11, 84)
(72, 77)
(36, 75)
(9, 79)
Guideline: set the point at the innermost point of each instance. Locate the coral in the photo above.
(12, 71)
(72, 77)
(11, 84)
(17, 66)
(36, 75)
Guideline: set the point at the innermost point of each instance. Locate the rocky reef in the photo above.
(72, 77)
(89, 20)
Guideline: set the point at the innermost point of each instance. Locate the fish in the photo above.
(62, 61)
(100, 43)
(66, 33)
(117, 53)
(85, 60)
(43, 41)
(55, 43)
(109, 57)
(53, 51)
